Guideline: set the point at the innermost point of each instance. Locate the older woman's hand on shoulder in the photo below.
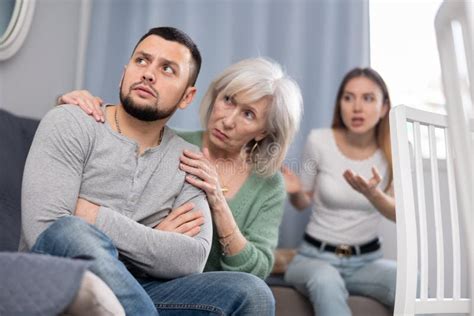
(86, 101)
(203, 174)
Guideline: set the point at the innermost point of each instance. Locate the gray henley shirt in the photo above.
(73, 156)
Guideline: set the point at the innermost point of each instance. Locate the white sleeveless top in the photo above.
(340, 214)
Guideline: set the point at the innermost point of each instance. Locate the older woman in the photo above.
(250, 112)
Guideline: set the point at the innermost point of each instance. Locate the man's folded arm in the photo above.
(160, 254)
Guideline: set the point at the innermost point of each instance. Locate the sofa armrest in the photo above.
(283, 257)
(94, 298)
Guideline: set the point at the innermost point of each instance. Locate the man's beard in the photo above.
(147, 112)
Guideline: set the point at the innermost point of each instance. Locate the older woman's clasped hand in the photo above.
(203, 174)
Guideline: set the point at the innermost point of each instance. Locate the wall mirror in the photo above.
(15, 22)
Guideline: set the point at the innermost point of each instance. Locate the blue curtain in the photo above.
(317, 42)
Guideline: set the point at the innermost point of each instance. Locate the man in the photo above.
(103, 190)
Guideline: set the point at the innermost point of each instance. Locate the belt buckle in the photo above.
(343, 251)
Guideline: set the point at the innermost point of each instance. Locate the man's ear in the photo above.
(187, 98)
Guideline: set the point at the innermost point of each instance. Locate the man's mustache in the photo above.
(143, 83)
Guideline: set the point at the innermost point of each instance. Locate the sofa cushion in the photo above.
(290, 302)
(34, 284)
(16, 135)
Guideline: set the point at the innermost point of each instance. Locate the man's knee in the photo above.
(70, 236)
(254, 294)
(65, 228)
(256, 287)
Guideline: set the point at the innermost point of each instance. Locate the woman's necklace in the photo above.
(224, 185)
(233, 173)
(119, 130)
(224, 189)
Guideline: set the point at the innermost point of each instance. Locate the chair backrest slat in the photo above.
(420, 188)
(453, 206)
(437, 214)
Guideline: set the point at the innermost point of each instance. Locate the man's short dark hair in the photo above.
(175, 35)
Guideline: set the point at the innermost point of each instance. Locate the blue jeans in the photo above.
(213, 293)
(327, 279)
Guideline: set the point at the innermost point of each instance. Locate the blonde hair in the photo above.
(254, 79)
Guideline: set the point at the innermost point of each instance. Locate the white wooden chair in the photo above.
(454, 26)
(429, 235)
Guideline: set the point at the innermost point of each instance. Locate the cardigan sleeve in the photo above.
(261, 232)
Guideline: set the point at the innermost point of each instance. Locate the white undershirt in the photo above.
(340, 214)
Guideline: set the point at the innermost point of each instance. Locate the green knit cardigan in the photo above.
(258, 209)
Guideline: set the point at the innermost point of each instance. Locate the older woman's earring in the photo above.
(255, 146)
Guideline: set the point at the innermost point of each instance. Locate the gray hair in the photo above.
(254, 79)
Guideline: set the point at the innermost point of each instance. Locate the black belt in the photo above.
(345, 250)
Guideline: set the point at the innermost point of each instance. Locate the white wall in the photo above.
(46, 64)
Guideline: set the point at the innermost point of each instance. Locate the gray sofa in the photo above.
(16, 135)
(27, 278)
